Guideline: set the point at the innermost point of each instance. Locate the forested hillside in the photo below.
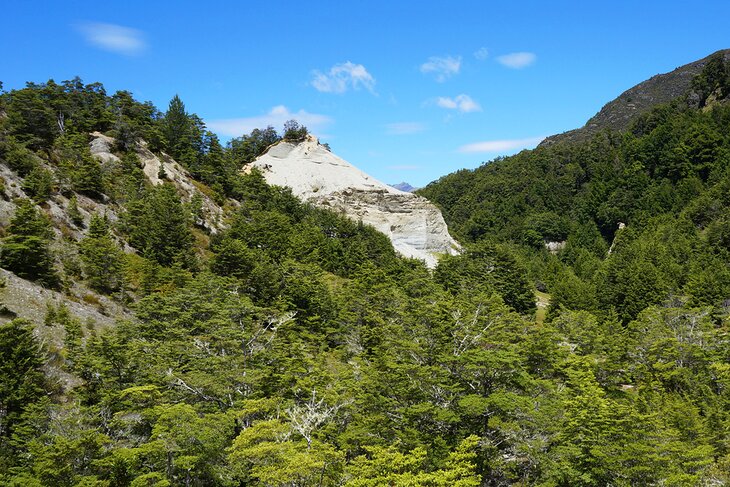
(666, 179)
(288, 346)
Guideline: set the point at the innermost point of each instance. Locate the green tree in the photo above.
(190, 448)
(22, 382)
(388, 466)
(17, 156)
(79, 169)
(294, 131)
(73, 211)
(267, 453)
(488, 267)
(26, 250)
(159, 226)
(87, 178)
(31, 118)
(101, 257)
(38, 184)
(246, 148)
(177, 129)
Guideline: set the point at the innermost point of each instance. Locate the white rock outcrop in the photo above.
(315, 175)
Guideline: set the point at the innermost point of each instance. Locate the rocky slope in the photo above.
(211, 214)
(26, 299)
(314, 174)
(618, 114)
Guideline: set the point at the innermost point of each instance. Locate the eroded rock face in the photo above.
(414, 225)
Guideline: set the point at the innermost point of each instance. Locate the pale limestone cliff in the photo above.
(414, 225)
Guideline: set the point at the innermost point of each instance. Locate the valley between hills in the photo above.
(179, 311)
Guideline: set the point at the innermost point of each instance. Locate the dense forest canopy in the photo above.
(293, 347)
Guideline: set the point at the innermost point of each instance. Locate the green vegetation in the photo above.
(101, 257)
(25, 250)
(294, 347)
(666, 179)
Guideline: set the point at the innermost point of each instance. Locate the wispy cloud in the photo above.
(404, 167)
(442, 68)
(481, 54)
(501, 145)
(235, 127)
(517, 60)
(404, 128)
(462, 103)
(113, 38)
(342, 77)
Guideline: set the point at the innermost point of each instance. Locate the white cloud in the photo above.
(342, 77)
(481, 54)
(517, 60)
(404, 128)
(113, 38)
(442, 68)
(501, 145)
(462, 103)
(235, 127)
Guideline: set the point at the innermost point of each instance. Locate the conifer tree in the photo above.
(176, 128)
(73, 211)
(101, 257)
(38, 184)
(159, 226)
(21, 380)
(87, 177)
(26, 250)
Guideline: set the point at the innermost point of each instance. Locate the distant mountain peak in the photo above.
(404, 186)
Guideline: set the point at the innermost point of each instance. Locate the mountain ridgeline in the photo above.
(168, 317)
(665, 177)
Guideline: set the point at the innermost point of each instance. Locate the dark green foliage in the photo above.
(666, 179)
(79, 169)
(39, 113)
(134, 121)
(87, 177)
(604, 181)
(177, 129)
(294, 131)
(159, 226)
(17, 156)
(486, 268)
(276, 223)
(126, 180)
(25, 250)
(38, 184)
(31, 118)
(22, 385)
(714, 79)
(73, 211)
(101, 257)
(246, 148)
(188, 141)
(549, 226)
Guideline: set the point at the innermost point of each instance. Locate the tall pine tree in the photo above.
(177, 129)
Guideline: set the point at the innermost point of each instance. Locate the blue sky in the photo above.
(408, 90)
